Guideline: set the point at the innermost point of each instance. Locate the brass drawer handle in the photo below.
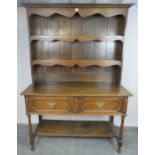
(100, 104)
(51, 105)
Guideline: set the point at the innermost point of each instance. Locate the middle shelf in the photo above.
(80, 63)
(80, 38)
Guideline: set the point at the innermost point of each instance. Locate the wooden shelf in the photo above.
(80, 63)
(75, 129)
(73, 38)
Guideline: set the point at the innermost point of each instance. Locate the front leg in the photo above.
(31, 135)
(120, 138)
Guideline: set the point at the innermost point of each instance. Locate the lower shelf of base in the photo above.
(75, 129)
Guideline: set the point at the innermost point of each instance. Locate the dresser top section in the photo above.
(76, 89)
(69, 5)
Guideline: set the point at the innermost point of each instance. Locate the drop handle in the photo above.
(51, 105)
(100, 104)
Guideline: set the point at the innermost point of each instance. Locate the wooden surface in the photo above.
(73, 38)
(76, 89)
(76, 63)
(80, 63)
(75, 129)
(101, 105)
(48, 105)
(57, 37)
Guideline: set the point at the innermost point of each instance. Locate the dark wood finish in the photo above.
(120, 138)
(76, 63)
(76, 74)
(91, 38)
(31, 135)
(76, 129)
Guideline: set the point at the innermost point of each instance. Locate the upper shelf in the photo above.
(80, 63)
(84, 11)
(80, 38)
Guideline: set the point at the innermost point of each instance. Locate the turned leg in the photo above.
(120, 138)
(31, 136)
(112, 119)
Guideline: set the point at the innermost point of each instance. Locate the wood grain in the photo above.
(100, 105)
(80, 38)
(76, 89)
(76, 59)
(67, 74)
(53, 105)
(80, 63)
(48, 105)
(76, 38)
(76, 129)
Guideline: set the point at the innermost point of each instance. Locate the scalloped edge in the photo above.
(83, 12)
(79, 38)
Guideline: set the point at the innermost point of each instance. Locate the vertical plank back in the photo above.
(94, 25)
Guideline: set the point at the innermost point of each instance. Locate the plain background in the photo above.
(129, 76)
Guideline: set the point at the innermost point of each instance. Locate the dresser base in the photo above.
(79, 99)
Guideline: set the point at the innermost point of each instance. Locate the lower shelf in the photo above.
(75, 129)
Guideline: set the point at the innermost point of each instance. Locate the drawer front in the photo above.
(51, 104)
(98, 105)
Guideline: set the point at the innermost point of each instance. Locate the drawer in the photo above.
(51, 104)
(98, 105)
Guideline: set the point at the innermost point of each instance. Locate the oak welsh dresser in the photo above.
(76, 56)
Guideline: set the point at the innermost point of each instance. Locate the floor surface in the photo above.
(76, 146)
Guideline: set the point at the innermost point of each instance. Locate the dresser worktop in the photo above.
(76, 89)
